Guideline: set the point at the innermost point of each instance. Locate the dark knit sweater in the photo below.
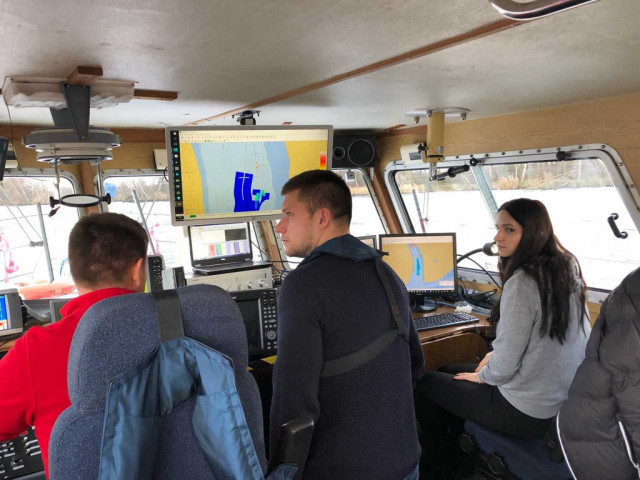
(332, 305)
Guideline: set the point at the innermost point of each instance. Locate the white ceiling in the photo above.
(221, 55)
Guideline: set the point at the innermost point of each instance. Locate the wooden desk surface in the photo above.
(5, 345)
(436, 333)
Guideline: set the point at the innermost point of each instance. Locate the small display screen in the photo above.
(368, 240)
(250, 311)
(213, 244)
(4, 316)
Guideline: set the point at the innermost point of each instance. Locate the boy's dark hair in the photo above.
(103, 247)
(322, 189)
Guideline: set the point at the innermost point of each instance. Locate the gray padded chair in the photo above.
(115, 335)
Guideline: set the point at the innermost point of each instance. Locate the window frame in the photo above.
(372, 194)
(30, 172)
(610, 158)
(44, 172)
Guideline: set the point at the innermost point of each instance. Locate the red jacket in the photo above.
(33, 374)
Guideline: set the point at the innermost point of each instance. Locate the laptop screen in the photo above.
(218, 244)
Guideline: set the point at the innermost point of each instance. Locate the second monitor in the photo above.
(426, 263)
(212, 245)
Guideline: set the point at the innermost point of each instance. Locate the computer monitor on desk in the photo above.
(369, 240)
(426, 263)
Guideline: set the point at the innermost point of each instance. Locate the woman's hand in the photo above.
(469, 377)
(483, 362)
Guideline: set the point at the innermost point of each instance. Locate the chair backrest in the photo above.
(114, 336)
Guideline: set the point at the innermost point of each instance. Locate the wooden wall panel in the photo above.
(136, 151)
(613, 121)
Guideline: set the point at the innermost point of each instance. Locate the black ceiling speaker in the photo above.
(354, 151)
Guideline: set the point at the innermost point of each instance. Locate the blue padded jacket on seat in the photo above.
(174, 372)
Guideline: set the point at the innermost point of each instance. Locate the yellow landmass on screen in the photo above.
(193, 201)
(305, 156)
(400, 260)
(437, 257)
(443, 253)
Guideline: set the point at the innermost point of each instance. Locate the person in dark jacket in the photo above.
(599, 425)
(332, 306)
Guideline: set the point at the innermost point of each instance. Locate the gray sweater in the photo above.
(532, 372)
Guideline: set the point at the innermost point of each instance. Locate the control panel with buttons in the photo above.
(21, 458)
(259, 309)
(155, 265)
(270, 320)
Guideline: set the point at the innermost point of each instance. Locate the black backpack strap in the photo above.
(379, 345)
(391, 296)
(169, 315)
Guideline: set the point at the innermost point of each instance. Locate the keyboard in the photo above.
(443, 320)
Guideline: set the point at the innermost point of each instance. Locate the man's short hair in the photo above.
(322, 189)
(103, 247)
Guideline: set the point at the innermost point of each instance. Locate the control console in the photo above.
(259, 309)
(21, 458)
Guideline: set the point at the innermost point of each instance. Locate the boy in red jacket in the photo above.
(107, 256)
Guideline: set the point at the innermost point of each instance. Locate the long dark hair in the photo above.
(541, 256)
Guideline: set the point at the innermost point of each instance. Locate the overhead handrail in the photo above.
(536, 9)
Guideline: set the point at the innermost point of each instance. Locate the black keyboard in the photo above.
(443, 320)
(21, 458)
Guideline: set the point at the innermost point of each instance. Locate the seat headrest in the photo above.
(117, 333)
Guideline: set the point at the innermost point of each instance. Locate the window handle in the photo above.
(614, 228)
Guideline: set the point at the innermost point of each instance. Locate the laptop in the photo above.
(214, 247)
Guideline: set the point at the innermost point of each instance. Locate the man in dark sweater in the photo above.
(332, 306)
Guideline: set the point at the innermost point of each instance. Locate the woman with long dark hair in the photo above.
(542, 327)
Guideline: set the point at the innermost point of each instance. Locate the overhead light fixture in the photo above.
(62, 145)
(26, 92)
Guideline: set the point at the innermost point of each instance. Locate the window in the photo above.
(580, 196)
(21, 240)
(152, 190)
(450, 205)
(580, 192)
(365, 219)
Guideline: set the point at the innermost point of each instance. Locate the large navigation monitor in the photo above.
(235, 174)
(426, 262)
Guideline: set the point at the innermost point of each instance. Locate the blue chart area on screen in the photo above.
(246, 198)
(245, 176)
(417, 281)
(4, 318)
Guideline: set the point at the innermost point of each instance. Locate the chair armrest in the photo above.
(292, 446)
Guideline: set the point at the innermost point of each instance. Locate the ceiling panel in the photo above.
(585, 53)
(221, 55)
(217, 54)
